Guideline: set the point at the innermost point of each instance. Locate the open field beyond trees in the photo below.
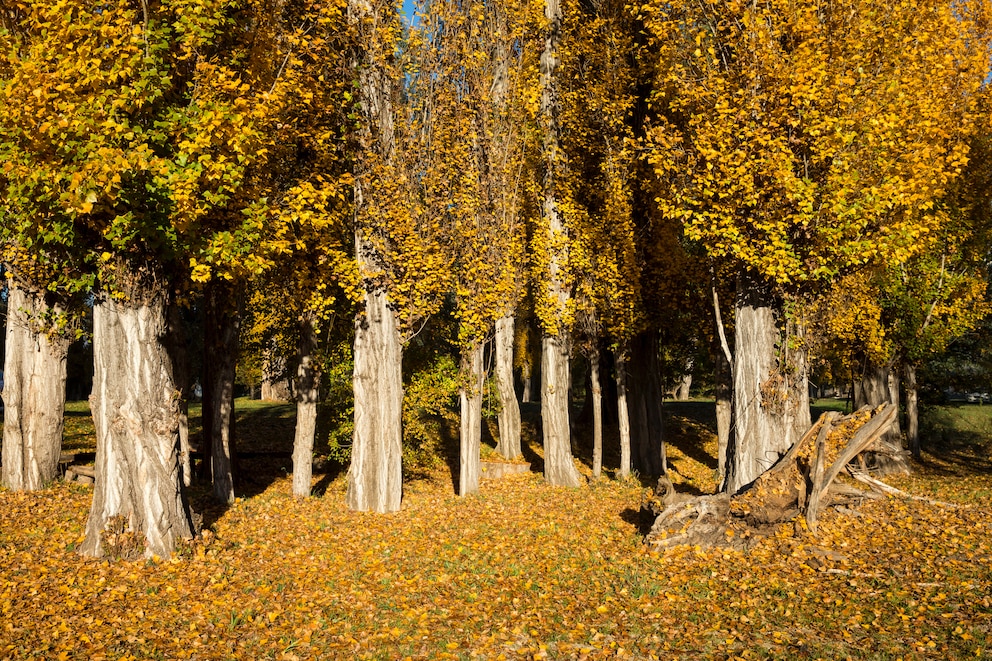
(521, 570)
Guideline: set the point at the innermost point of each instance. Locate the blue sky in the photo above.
(408, 9)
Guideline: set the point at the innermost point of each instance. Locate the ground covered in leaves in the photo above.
(522, 570)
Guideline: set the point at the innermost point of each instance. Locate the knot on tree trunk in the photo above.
(795, 490)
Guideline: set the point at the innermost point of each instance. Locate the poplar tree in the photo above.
(401, 267)
(551, 253)
(470, 93)
(131, 143)
(798, 143)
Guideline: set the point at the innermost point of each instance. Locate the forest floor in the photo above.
(520, 571)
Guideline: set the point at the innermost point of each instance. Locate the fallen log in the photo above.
(800, 484)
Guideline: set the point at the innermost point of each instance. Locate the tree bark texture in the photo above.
(33, 392)
(647, 393)
(307, 394)
(912, 409)
(470, 397)
(178, 345)
(559, 467)
(221, 330)
(375, 479)
(880, 385)
(275, 386)
(623, 416)
(139, 487)
(597, 415)
(509, 410)
(769, 389)
(724, 393)
(685, 382)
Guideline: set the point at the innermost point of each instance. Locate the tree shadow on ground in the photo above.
(639, 518)
(689, 425)
(955, 441)
(264, 435)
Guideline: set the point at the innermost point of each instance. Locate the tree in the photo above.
(401, 267)
(469, 94)
(598, 82)
(554, 277)
(127, 152)
(36, 347)
(799, 143)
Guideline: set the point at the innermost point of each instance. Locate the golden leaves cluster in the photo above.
(476, 126)
(803, 141)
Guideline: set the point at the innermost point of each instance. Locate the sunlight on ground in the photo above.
(522, 570)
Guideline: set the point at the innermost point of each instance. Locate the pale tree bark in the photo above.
(375, 479)
(623, 414)
(470, 437)
(33, 392)
(880, 385)
(597, 415)
(139, 485)
(307, 394)
(770, 399)
(685, 382)
(559, 466)
(509, 410)
(724, 378)
(221, 334)
(525, 376)
(912, 409)
(276, 387)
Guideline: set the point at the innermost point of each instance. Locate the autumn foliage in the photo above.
(522, 570)
(391, 204)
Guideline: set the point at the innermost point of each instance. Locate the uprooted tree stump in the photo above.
(801, 484)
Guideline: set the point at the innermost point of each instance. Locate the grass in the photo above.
(520, 571)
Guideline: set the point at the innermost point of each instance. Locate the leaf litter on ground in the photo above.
(521, 571)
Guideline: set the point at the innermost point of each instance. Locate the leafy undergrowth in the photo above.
(522, 570)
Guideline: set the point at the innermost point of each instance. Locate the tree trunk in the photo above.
(597, 416)
(623, 415)
(33, 392)
(647, 432)
(912, 410)
(470, 397)
(768, 397)
(527, 385)
(559, 467)
(724, 392)
(375, 479)
(139, 488)
(275, 386)
(509, 410)
(685, 382)
(177, 343)
(221, 323)
(879, 385)
(307, 393)
(894, 433)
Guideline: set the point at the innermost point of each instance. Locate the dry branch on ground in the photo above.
(800, 484)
